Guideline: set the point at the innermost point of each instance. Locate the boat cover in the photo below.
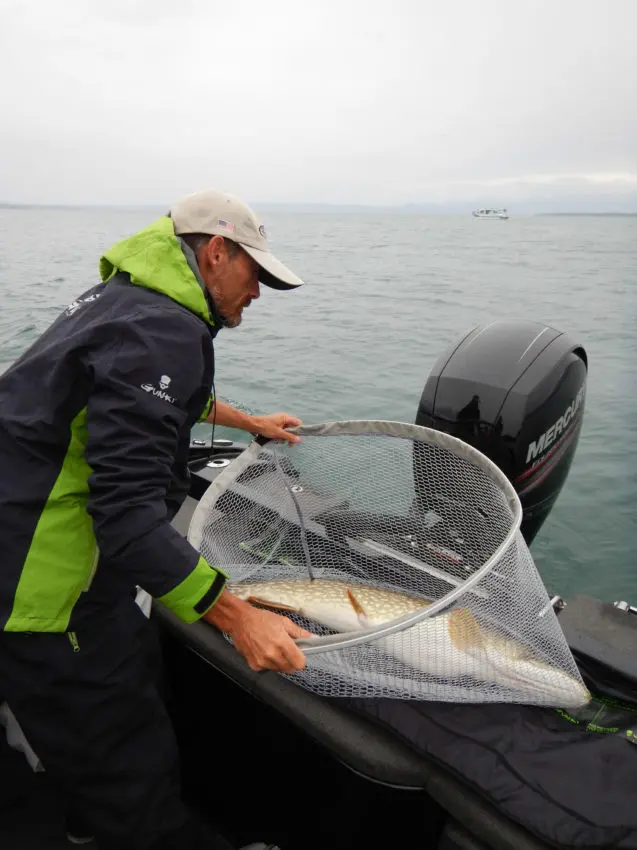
(568, 777)
(568, 783)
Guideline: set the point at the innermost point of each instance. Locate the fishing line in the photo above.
(214, 415)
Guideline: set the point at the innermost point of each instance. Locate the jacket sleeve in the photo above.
(206, 411)
(141, 387)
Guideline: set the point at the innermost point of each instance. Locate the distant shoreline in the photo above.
(594, 214)
(401, 209)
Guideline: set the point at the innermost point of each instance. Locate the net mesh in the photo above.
(399, 548)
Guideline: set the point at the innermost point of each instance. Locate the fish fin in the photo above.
(273, 606)
(464, 630)
(361, 613)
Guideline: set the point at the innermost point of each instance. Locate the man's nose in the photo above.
(255, 289)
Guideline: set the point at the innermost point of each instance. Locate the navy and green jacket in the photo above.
(95, 422)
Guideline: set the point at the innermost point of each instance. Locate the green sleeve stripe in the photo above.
(199, 587)
(206, 411)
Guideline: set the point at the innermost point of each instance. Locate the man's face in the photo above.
(232, 278)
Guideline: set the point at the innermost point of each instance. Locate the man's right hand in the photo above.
(264, 638)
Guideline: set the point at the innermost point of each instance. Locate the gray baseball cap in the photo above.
(217, 214)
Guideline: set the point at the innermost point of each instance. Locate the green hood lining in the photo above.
(154, 259)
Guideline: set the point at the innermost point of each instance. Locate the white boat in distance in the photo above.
(490, 213)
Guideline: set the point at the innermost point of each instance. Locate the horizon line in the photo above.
(442, 208)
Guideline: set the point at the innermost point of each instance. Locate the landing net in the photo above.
(399, 548)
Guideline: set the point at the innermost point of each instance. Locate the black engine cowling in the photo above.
(515, 391)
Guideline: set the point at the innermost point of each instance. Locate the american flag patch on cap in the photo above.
(226, 225)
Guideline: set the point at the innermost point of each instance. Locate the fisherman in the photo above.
(95, 421)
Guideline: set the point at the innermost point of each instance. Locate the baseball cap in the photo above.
(218, 214)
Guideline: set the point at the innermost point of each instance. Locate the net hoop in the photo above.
(387, 428)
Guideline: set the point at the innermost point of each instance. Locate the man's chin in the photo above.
(233, 321)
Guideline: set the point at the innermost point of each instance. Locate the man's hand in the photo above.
(273, 426)
(265, 639)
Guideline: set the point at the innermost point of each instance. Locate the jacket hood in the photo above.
(154, 258)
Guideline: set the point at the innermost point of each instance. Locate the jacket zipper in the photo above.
(91, 576)
(72, 636)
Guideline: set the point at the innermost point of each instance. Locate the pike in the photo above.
(449, 645)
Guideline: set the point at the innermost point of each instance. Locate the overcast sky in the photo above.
(140, 101)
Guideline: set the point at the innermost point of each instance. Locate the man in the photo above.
(95, 422)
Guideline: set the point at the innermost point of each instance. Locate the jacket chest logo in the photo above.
(164, 383)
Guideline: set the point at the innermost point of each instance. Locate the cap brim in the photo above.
(273, 272)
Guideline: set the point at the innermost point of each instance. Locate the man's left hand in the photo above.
(273, 425)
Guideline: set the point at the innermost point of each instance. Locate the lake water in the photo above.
(386, 293)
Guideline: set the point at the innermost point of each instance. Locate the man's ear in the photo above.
(215, 251)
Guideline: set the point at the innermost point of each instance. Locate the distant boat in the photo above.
(490, 214)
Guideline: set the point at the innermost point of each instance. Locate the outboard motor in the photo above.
(515, 391)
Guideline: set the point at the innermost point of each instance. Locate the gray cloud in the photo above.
(350, 101)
